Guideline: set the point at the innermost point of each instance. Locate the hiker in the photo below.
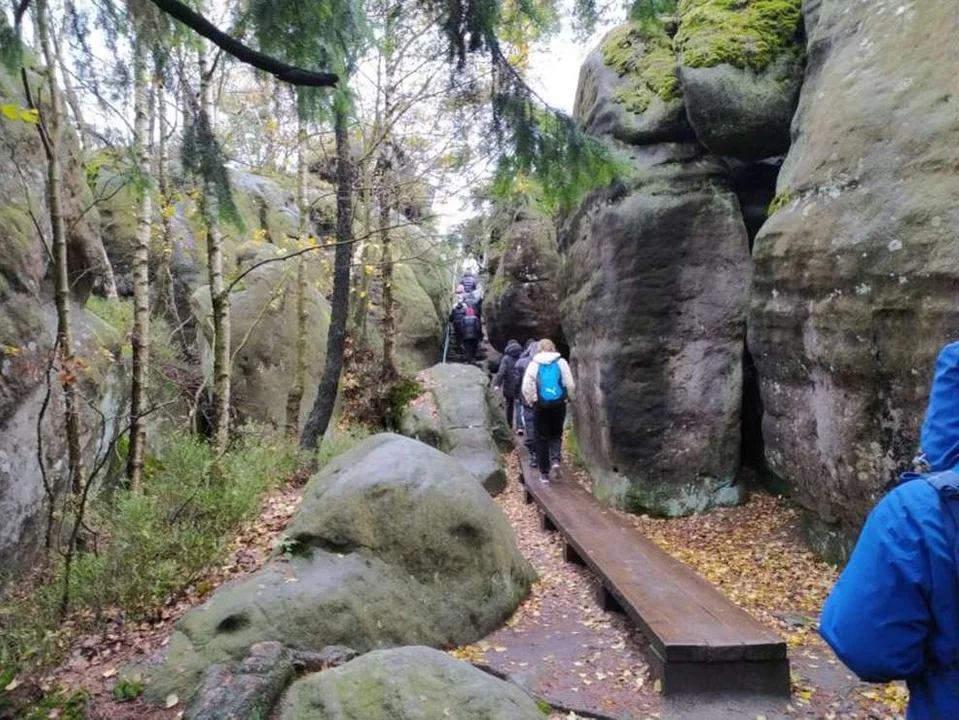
(527, 422)
(472, 333)
(468, 281)
(504, 379)
(474, 300)
(547, 385)
(459, 294)
(894, 612)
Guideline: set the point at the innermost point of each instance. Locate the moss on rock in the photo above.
(741, 33)
(643, 55)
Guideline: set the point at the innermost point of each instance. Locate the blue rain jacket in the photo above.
(894, 612)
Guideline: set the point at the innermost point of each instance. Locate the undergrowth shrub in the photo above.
(149, 544)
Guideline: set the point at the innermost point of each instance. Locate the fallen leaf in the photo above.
(12, 685)
(109, 673)
(172, 700)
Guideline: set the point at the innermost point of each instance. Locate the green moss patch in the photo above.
(643, 54)
(742, 33)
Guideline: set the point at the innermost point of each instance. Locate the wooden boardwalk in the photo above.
(700, 642)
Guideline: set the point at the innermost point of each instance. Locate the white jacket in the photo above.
(529, 389)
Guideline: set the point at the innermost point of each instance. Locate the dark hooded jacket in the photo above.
(504, 376)
(894, 612)
(469, 283)
(456, 317)
(520, 368)
(472, 329)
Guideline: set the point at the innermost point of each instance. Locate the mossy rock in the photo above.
(742, 33)
(629, 88)
(394, 544)
(643, 54)
(457, 413)
(407, 683)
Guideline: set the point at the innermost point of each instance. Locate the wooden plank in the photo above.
(686, 619)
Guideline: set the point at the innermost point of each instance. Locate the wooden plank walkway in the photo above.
(699, 641)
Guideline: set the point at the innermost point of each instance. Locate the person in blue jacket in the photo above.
(894, 612)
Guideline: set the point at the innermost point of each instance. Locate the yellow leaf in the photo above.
(172, 700)
(658, 686)
(30, 116)
(109, 673)
(10, 111)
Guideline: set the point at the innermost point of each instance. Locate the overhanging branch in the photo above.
(283, 71)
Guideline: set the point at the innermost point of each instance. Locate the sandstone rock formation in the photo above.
(394, 544)
(741, 66)
(28, 326)
(522, 300)
(406, 684)
(854, 272)
(656, 276)
(263, 332)
(458, 414)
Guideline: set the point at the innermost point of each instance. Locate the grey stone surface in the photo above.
(393, 545)
(263, 330)
(855, 275)
(740, 112)
(409, 683)
(458, 414)
(522, 301)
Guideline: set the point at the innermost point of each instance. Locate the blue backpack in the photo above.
(549, 385)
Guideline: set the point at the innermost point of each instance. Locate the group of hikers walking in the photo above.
(536, 383)
(466, 320)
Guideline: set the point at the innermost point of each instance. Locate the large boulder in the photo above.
(393, 544)
(263, 336)
(656, 278)
(629, 88)
(741, 66)
(855, 272)
(28, 326)
(656, 271)
(407, 683)
(522, 301)
(458, 414)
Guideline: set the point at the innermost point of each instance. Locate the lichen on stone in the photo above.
(743, 33)
(781, 200)
(643, 55)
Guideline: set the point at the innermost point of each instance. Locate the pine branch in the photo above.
(283, 71)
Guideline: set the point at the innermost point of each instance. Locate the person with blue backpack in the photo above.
(894, 612)
(547, 386)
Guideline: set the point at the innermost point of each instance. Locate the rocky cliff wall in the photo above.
(856, 269)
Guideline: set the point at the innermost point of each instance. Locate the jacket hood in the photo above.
(940, 430)
(545, 358)
(513, 349)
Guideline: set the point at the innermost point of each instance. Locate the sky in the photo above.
(553, 75)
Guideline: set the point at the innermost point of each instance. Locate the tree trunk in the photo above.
(164, 276)
(68, 88)
(386, 194)
(109, 280)
(295, 397)
(364, 279)
(141, 261)
(220, 299)
(51, 135)
(322, 410)
(389, 306)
